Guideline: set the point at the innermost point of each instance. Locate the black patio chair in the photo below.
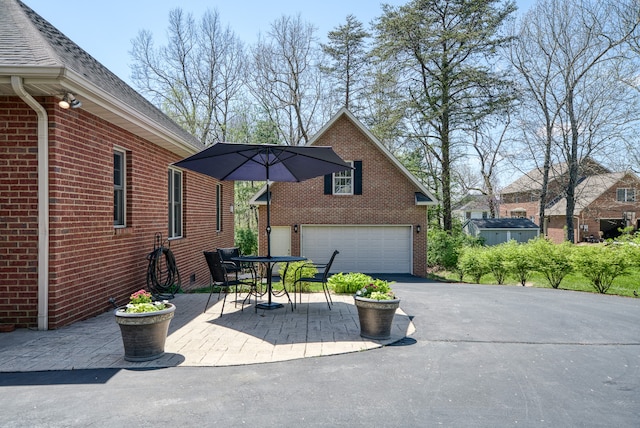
(320, 277)
(220, 271)
(226, 254)
(240, 269)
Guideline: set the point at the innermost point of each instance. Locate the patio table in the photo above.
(269, 262)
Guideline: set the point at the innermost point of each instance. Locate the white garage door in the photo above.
(367, 249)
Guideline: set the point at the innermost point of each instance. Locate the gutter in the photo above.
(43, 201)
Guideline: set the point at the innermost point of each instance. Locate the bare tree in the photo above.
(571, 58)
(285, 78)
(487, 140)
(196, 77)
(532, 56)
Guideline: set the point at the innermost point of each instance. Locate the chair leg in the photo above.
(252, 290)
(207, 305)
(224, 300)
(210, 294)
(327, 295)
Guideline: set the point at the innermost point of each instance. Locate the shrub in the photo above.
(519, 261)
(495, 259)
(349, 283)
(445, 247)
(302, 269)
(551, 260)
(247, 241)
(601, 264)
(471, 262)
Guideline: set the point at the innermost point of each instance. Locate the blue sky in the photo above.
(105, 28)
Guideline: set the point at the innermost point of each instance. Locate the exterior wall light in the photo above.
(69, 101)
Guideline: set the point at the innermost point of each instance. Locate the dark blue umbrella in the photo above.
(264, 162)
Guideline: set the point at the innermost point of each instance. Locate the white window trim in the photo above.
(627, 190)
(171, 203)
(334, 178)
(123, 153)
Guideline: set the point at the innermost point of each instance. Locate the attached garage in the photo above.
(367, 249)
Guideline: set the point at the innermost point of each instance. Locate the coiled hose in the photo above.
(163, 277)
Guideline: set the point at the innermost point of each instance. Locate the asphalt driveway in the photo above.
(482, 356)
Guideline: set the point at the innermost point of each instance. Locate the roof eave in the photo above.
(55, 81)
(140, 124)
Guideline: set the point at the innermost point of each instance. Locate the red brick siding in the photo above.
(388, 197)
(604, 207)
(90, 260)
(18, 212)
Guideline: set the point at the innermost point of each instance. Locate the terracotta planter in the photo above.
(144, 334)
(376, 317)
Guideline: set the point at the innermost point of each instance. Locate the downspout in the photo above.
(43, 201)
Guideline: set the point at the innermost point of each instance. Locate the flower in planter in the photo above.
(141, 302)
(378, 289)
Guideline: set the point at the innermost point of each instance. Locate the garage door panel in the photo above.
(374, 249)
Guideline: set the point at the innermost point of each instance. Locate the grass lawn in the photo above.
(623, 285)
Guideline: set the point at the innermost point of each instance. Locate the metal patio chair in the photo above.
(320, 277)
(220, 272)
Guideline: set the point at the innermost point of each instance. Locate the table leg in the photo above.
(269, 305)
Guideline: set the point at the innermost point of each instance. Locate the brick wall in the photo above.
(605, 206)
(388, 197)
(90, 260)
(18, 213)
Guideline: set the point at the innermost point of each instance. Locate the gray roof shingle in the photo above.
(504, 223)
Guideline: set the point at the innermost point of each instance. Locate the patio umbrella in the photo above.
(264, 162)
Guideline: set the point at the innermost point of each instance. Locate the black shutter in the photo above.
(328, 181)
(357, 178)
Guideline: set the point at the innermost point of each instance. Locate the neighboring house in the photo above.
(375, 215)
(473, 207)
(84, 190)
(605, 201)
(496, 231)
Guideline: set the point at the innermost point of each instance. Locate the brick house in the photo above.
(605, 201)
(84, 190)
(375, 215)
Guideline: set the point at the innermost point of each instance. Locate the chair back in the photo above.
(214, 261)
(327, 268)
(227, 253)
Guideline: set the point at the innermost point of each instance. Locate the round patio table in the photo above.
(269, 262)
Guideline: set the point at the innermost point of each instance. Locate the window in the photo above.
(343, 182)
(175, 203)
(485, 214)
(218, 207)
(626, 195)
(119, 197)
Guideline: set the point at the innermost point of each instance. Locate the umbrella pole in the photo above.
(268, 217)
(269, 304)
